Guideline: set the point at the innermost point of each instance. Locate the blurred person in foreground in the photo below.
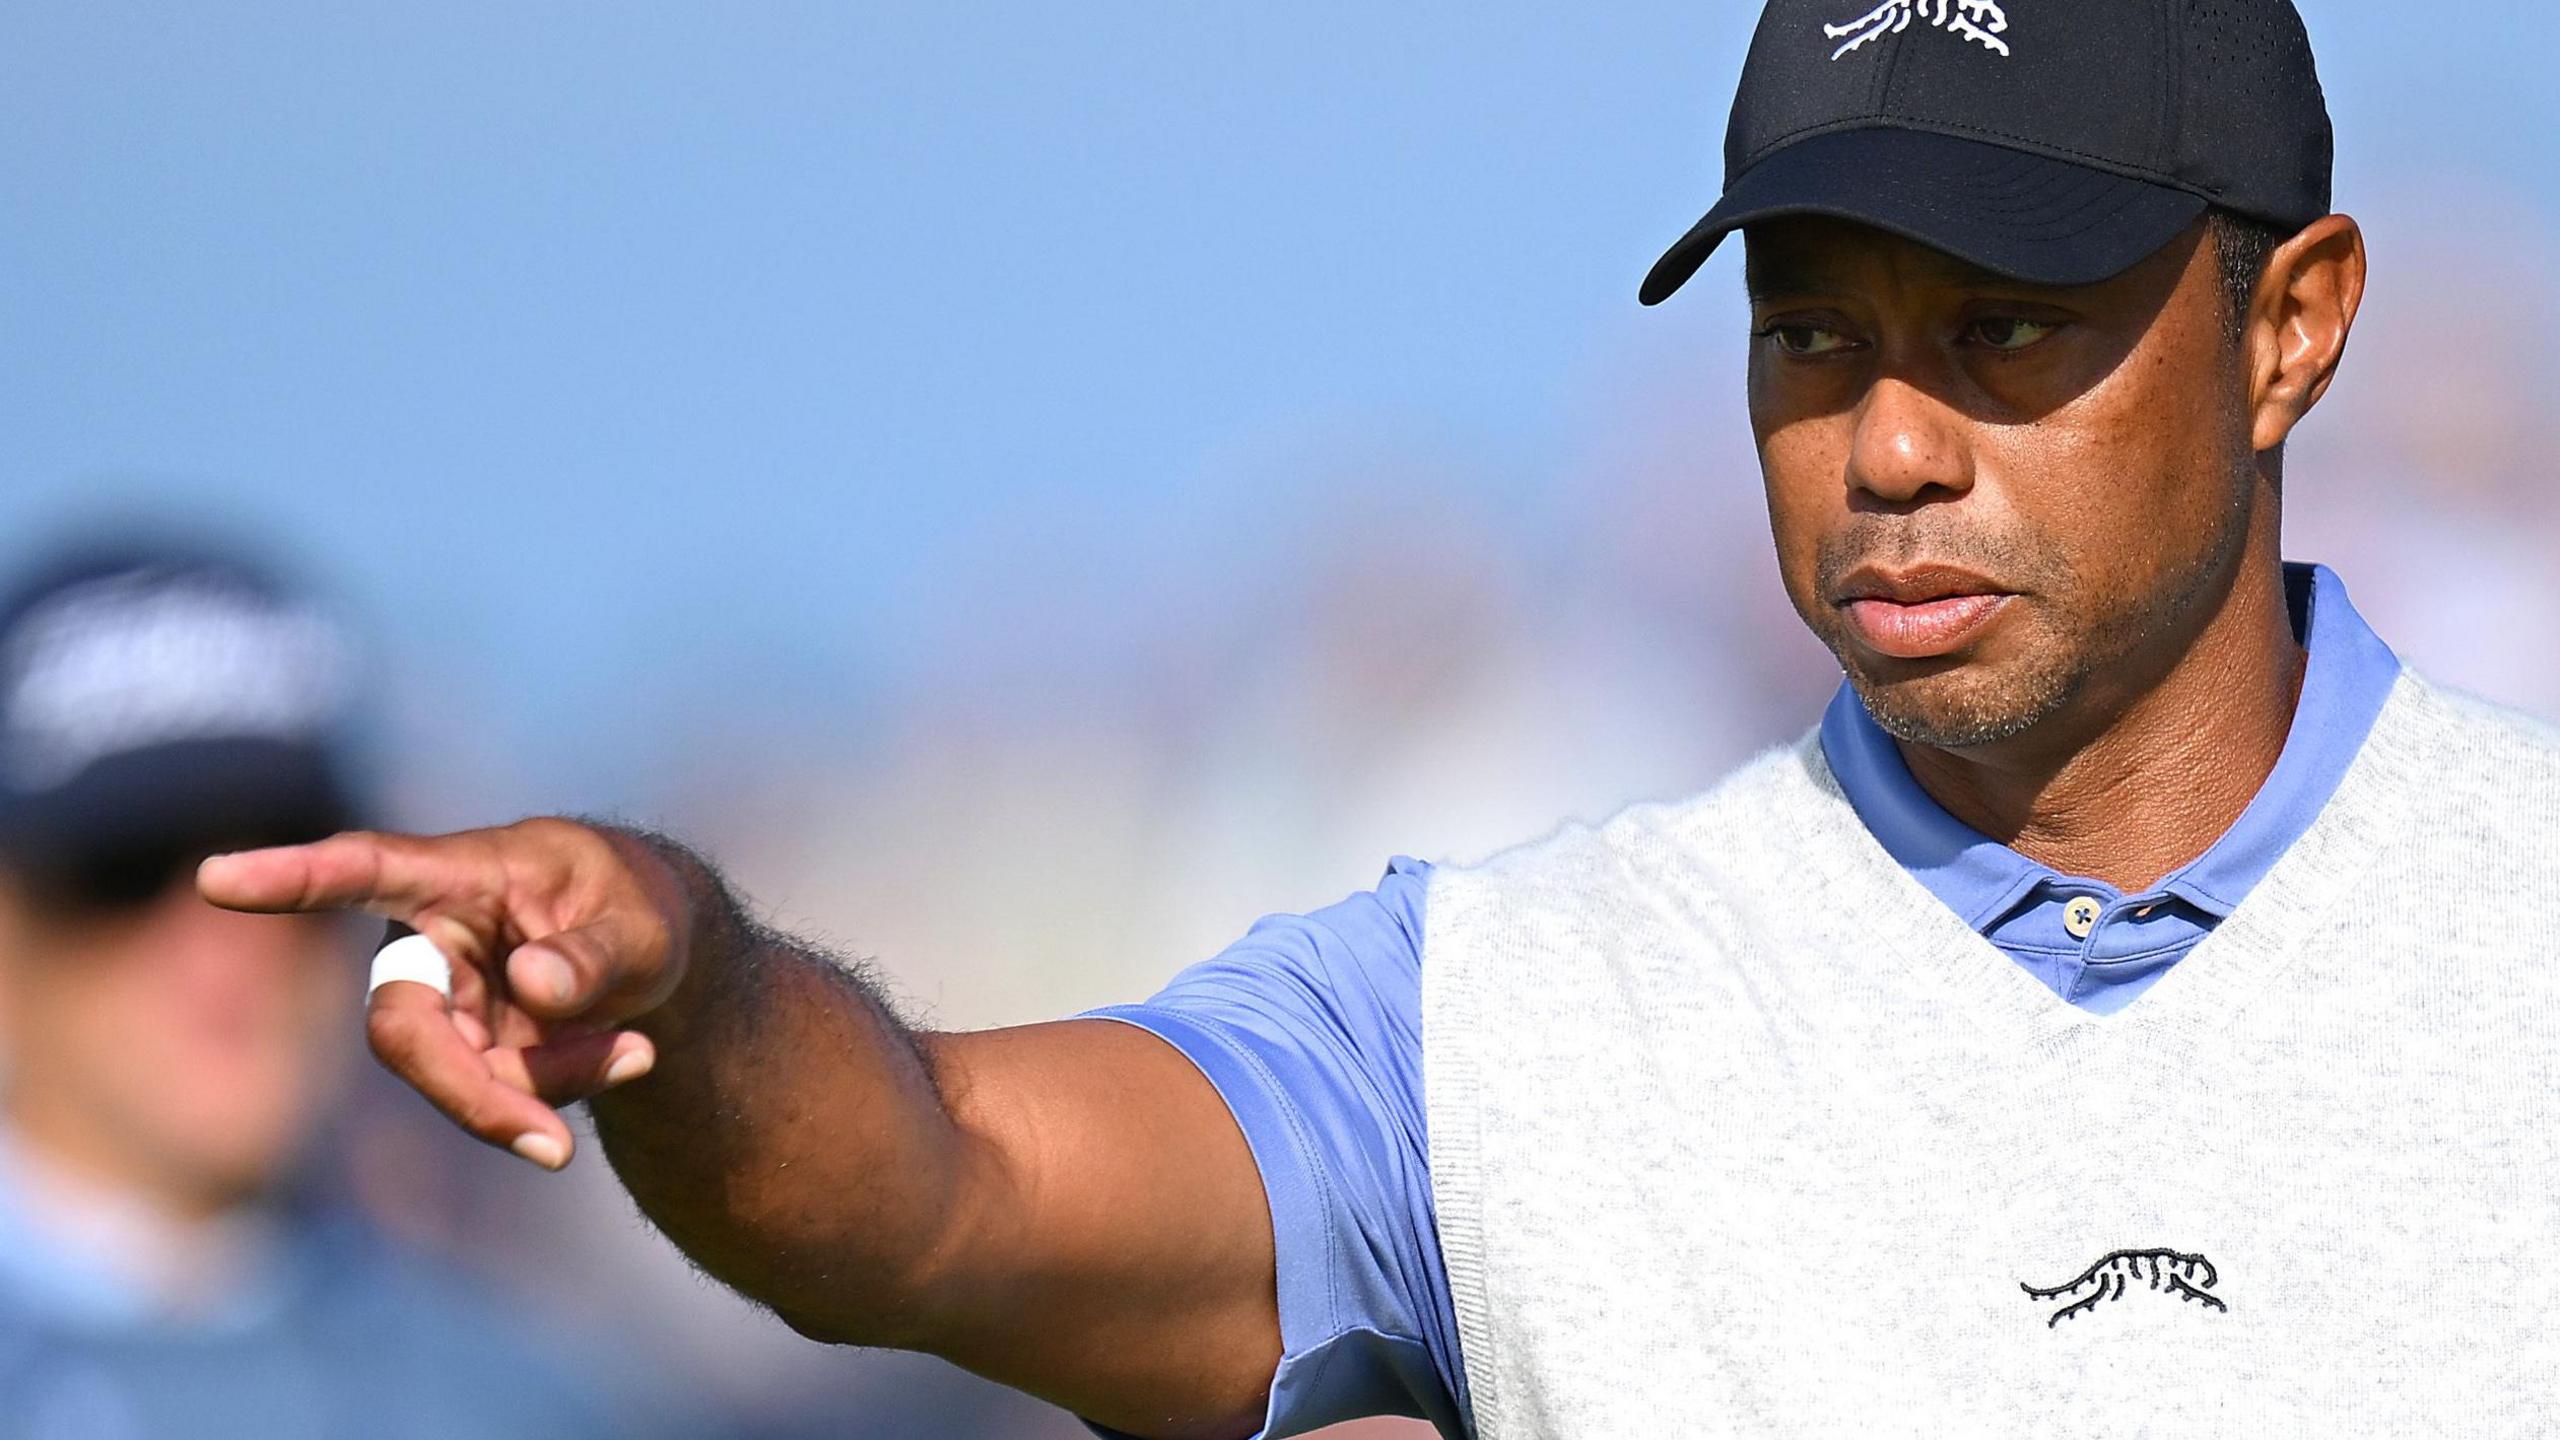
(162, 1061)
(2131, 1009)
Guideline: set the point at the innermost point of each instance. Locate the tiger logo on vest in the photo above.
(2190, 1278)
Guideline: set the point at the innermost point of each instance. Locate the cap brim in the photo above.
(2027, 217)
(232, 792)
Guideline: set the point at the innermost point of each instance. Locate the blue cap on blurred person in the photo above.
(159, 703)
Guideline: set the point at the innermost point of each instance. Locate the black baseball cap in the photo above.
(159, 701)
(2051, 141)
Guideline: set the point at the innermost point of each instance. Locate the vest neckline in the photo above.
(2222, 975)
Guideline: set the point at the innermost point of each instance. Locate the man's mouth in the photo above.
(1919, 612)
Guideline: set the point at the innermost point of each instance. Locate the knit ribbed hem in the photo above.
(1452, 1097)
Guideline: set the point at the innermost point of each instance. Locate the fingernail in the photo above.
(543, 976)
(541, 1149)
(629, 1067)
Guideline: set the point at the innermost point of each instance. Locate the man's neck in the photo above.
(171, 1259)
(2129, 796)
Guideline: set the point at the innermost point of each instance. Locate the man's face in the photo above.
(167, 1041)
(1995, 502)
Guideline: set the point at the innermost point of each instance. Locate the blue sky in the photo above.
(623, 362)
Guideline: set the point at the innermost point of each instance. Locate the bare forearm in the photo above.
(1068, 1208)
(790, 1137)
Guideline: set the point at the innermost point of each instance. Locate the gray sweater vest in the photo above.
(1735, 1130)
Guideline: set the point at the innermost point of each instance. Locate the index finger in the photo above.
(393, 875)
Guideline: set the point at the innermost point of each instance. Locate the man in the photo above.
(161, 1061)
(2122, 1014)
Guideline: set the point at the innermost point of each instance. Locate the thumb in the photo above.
(606, 970)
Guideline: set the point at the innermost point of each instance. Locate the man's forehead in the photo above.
(1797, 254)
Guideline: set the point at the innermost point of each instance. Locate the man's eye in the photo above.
(1801, 339)
(2008, 332)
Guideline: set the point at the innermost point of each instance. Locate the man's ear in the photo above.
(2298, 323)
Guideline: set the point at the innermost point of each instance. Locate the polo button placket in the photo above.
(2080, 916)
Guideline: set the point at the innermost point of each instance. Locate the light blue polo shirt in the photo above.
(1311, 1026)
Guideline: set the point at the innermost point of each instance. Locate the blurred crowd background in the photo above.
(1032, 488)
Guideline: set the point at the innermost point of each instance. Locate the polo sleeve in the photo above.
(1310, 1027)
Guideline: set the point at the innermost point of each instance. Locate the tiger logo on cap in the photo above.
(1977, 20)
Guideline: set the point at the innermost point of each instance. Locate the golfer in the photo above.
(2133, 1009)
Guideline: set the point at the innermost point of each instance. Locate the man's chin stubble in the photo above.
(1993, 710)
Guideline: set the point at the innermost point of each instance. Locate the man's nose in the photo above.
(1908, 444)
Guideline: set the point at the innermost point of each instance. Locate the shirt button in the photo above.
(2080, 916)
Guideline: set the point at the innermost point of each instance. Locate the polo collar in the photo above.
(2347, 675)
